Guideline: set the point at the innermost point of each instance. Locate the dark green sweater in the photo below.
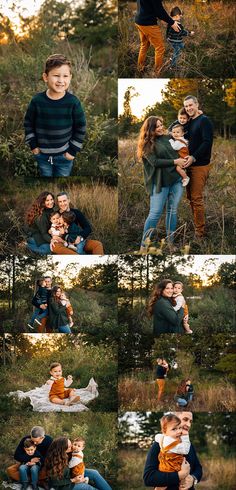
(39, 228)
(159, 167)
(55, 126)
(57, 314)
(165, 318)
(62, 484)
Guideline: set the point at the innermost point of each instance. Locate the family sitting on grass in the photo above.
(184, 392)
(168, 307)
(53, 310)
(57, 228)
(58, 464)
(146, 21)
(172, 462)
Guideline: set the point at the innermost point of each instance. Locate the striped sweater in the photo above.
(55, 126)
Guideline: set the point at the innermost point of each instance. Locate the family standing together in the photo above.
(164, 167)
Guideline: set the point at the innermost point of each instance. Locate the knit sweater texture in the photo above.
(148, 11)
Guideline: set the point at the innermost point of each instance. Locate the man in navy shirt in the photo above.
(148, 12)
(200, 135)
(173, 481)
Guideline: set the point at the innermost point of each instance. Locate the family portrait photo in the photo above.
(57, 373)
(176, 450)
(174, 373)
(64, 452)
(59, 97)
(176, 160)
(70, 295)
(176, 38)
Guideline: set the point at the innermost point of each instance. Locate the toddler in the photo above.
(76, 464)
(69, 310)
(183, 120)
(55, 122)
(39, 299)
(173, 445)
(181, 303)
(176, 38)
(56, 228)
(72, 232)
(30, 467)
(57, 393)
(180, 144)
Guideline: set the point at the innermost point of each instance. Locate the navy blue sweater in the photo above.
(148, 11)
(153, 477)
(176, 37)
(28, 458)
(82, 223)
(41, 448)
(200, 135)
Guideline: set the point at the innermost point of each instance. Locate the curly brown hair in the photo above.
(57, 459)
(182, 387)
(37, 207)
(147, 136)
(156, 294)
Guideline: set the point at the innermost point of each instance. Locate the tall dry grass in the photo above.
(97, 201)
(219, 201)
(210, 52)
(137, 395)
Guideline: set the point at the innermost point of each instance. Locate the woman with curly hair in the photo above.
(38, 222)
(162, 181)
(58, 472)
(184, 393)
(58, 315)
(160, 306)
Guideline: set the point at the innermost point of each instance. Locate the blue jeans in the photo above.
(97, 479)
(171, 197)
(181, 402)
(39, 314)
(177, 47)
(64, 329)
(43, 249)
(53, 166)
(29, 472)
(80, 248)
(83, 486)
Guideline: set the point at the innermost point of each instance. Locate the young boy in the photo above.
(183, 119)
(40, 299)
(72, 232)
(181, 303)
(57, 393)
(176, 38)
(76, 464)
(30, 467)
(55, 121)
(180, 144)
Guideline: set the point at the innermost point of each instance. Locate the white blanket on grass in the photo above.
(39, 398)
(17, 486)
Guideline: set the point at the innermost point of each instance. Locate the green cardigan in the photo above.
(39, 228)
(57, 314)
(165, 318)
(159, 167)
(62, 484)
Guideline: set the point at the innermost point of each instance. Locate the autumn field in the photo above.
(209, 53)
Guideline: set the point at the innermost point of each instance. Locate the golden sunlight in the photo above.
(14, 10)
(149, 93)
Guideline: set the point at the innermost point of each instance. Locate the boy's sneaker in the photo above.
(86, 479)
(38, 322)
(73, 247)
(185, 181)
(30, 326)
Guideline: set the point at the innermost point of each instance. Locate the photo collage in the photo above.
(117, 144)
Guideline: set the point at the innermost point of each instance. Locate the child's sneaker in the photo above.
(185, 181)
(72, 247)
(30, 326)
(37, 321)
(86, 479)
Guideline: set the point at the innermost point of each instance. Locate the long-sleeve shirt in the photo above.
(153, 477)
(181, 448)
(42, 448)
(41, 296)
(148, 11)
(165, 318)
(176, 37)
(180, 302)
(55, 126)
(200, 135)
(82, 222)
(27, 458)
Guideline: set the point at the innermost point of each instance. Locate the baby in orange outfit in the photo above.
(76, 464)
(58, 394)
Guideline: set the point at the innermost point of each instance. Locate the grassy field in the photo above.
(219, 200)
(209, 53)
(210, 395)
(96, 200)
(218, 472)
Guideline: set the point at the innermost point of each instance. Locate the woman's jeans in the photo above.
(83, 486)
(97, 480)
(53, 166)
(43, 249)
(64, 329)
(29, 472)
(181, 402)
(169, 196)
